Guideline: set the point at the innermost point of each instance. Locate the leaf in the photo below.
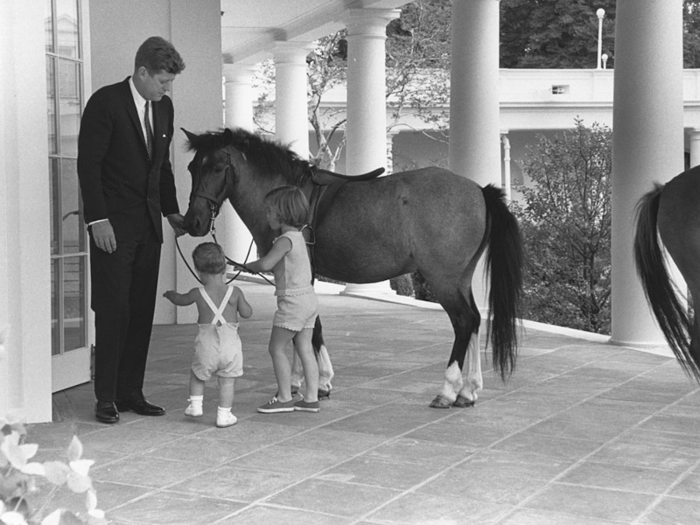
(56, 472)
(81, 466)
(78, 483)
(75, 450)
(34, 469)
(18, 454)
(91, 500)
(52, 519)
(12, 518)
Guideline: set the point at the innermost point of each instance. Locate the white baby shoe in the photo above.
(195, 407)
(225, 418)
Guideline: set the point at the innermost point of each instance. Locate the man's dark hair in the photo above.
(157, 54)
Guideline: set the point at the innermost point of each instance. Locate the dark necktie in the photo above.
(149, 132)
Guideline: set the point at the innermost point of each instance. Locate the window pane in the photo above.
(69, 100)
(74, 302)
(55, 204)
(68, 30)
(48, 27)
(71, 216)
(55, 308)
(51, 103)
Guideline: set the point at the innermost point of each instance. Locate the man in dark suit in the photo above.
(127, 182)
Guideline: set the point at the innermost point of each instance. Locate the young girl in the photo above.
(297, 307)
(218, 346)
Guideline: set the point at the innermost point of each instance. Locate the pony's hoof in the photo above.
(463, 402)
(440, 402)
(323, 394)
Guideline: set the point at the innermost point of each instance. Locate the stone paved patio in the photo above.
(584, 433)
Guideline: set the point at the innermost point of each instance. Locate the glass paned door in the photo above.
(69, 259)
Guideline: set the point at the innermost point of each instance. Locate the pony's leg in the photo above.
(453, 383)
(325, 373)
(465, 322)
(325, 368)
(475, 382)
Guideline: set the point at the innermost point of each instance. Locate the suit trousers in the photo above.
(124, 285)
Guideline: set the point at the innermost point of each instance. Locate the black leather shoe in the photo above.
(141, 407)
(106, 412)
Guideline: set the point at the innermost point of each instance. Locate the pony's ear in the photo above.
(190, 136)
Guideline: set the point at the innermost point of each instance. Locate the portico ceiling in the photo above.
(250, 29)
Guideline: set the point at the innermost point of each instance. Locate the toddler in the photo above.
(217, 349)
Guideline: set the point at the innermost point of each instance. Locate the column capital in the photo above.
(291, 52)
(369, 22)
(239, 72)
(693, 133)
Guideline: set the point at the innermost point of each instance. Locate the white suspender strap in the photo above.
(218, 312)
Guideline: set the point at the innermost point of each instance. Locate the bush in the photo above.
(566, 226)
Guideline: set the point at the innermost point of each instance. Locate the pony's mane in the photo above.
(270, 157)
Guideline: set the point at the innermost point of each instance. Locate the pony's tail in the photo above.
(661, 293)
(504, 262)
(317, 336)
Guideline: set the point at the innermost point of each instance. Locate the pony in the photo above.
(370, 229)
(671, 212)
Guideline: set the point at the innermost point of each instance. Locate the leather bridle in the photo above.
(214, 201)
(214, 208)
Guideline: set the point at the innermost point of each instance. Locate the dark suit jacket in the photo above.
(117, 180)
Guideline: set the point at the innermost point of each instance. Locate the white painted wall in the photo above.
(25, 279)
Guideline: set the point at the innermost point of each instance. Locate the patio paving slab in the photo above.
(583, 433)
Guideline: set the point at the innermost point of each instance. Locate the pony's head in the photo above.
(231, 162)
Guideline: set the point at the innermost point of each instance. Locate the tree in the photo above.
(691, 34)
(326, 69)
(555, 34)
(566, 224)
(418, 41)
(559, 34)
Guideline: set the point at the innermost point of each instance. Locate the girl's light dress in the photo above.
(297, 305)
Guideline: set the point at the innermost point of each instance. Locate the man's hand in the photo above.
(103, 235)
(177, 221)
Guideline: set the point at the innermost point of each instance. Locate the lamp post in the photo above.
(601, 14)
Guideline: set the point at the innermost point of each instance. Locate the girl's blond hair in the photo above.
(290, 204)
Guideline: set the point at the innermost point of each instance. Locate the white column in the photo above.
(25, 211)
(647, 143)
(475, 142)
(238, 101)
(506, 165)
(694, 140)
(291, 105)
(366, 107)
